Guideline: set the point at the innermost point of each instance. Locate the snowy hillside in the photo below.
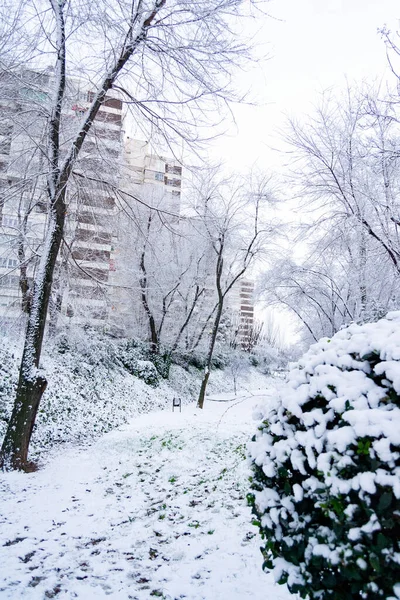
(97, 384)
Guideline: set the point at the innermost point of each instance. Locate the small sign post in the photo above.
(175, 403)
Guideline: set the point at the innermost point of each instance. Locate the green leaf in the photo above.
(382, 541)
(374, 562)
(385, 501)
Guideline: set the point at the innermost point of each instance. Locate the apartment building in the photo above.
(86, 256)
(240, 305)
(146, 169)
(148, 180)
(92, 219)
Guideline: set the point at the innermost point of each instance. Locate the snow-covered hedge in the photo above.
(326, 468)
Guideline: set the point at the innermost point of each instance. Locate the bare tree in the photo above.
(345, 176)
(161, 55)
(232, 218)
(163, 264)
(346, 166)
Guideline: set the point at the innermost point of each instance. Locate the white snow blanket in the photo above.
(154, 509)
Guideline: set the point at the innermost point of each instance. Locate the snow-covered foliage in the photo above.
(270, 359)
(90, 388)
(326, 466)
(346, 180)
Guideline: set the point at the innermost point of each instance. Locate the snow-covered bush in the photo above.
(144, 369)
(133, 353)
(326, 468)
(8, 385)
(270, 359)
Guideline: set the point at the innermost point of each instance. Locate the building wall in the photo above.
(94, 214)
(142, 166)
(240, 304)
(24, 98)
(156, 182)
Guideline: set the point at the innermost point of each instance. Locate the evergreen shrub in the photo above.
(326, 469)
(144, 369)
(133, 352)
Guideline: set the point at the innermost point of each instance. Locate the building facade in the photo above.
(86, 254)
(149, 204)
(241, 308)
(145, 168)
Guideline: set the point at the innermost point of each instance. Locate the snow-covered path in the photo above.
(155, 509)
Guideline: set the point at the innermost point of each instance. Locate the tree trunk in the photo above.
(220, 248)
(31, 384)
(214, 333)
(202, 395)
(23, 278)
(154, 341)
(362, 274)
(14, 452)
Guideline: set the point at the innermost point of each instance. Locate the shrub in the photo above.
(195, 359)
(129, 353)
(326, 466)
(144, 369)
(132, 351)
(162, 363)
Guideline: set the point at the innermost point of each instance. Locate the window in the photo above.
(10, 221)
(34, 95)
(173, 169)
(109, 101)
(8, 263)
(173, 182)
(159, 176)
(9, 281)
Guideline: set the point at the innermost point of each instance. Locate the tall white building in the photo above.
(241, 306)
(142, 167)
(148, 181)
(84, 262)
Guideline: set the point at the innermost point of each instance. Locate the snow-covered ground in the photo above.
(154, 509)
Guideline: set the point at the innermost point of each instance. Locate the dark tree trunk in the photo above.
(14, 452)
(202, 395)
(26, 292)
(31, 383)
(203, 388)
(214, 333)
(58, 288)
(154, 341)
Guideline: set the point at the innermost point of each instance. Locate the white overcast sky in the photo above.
(313, 45)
